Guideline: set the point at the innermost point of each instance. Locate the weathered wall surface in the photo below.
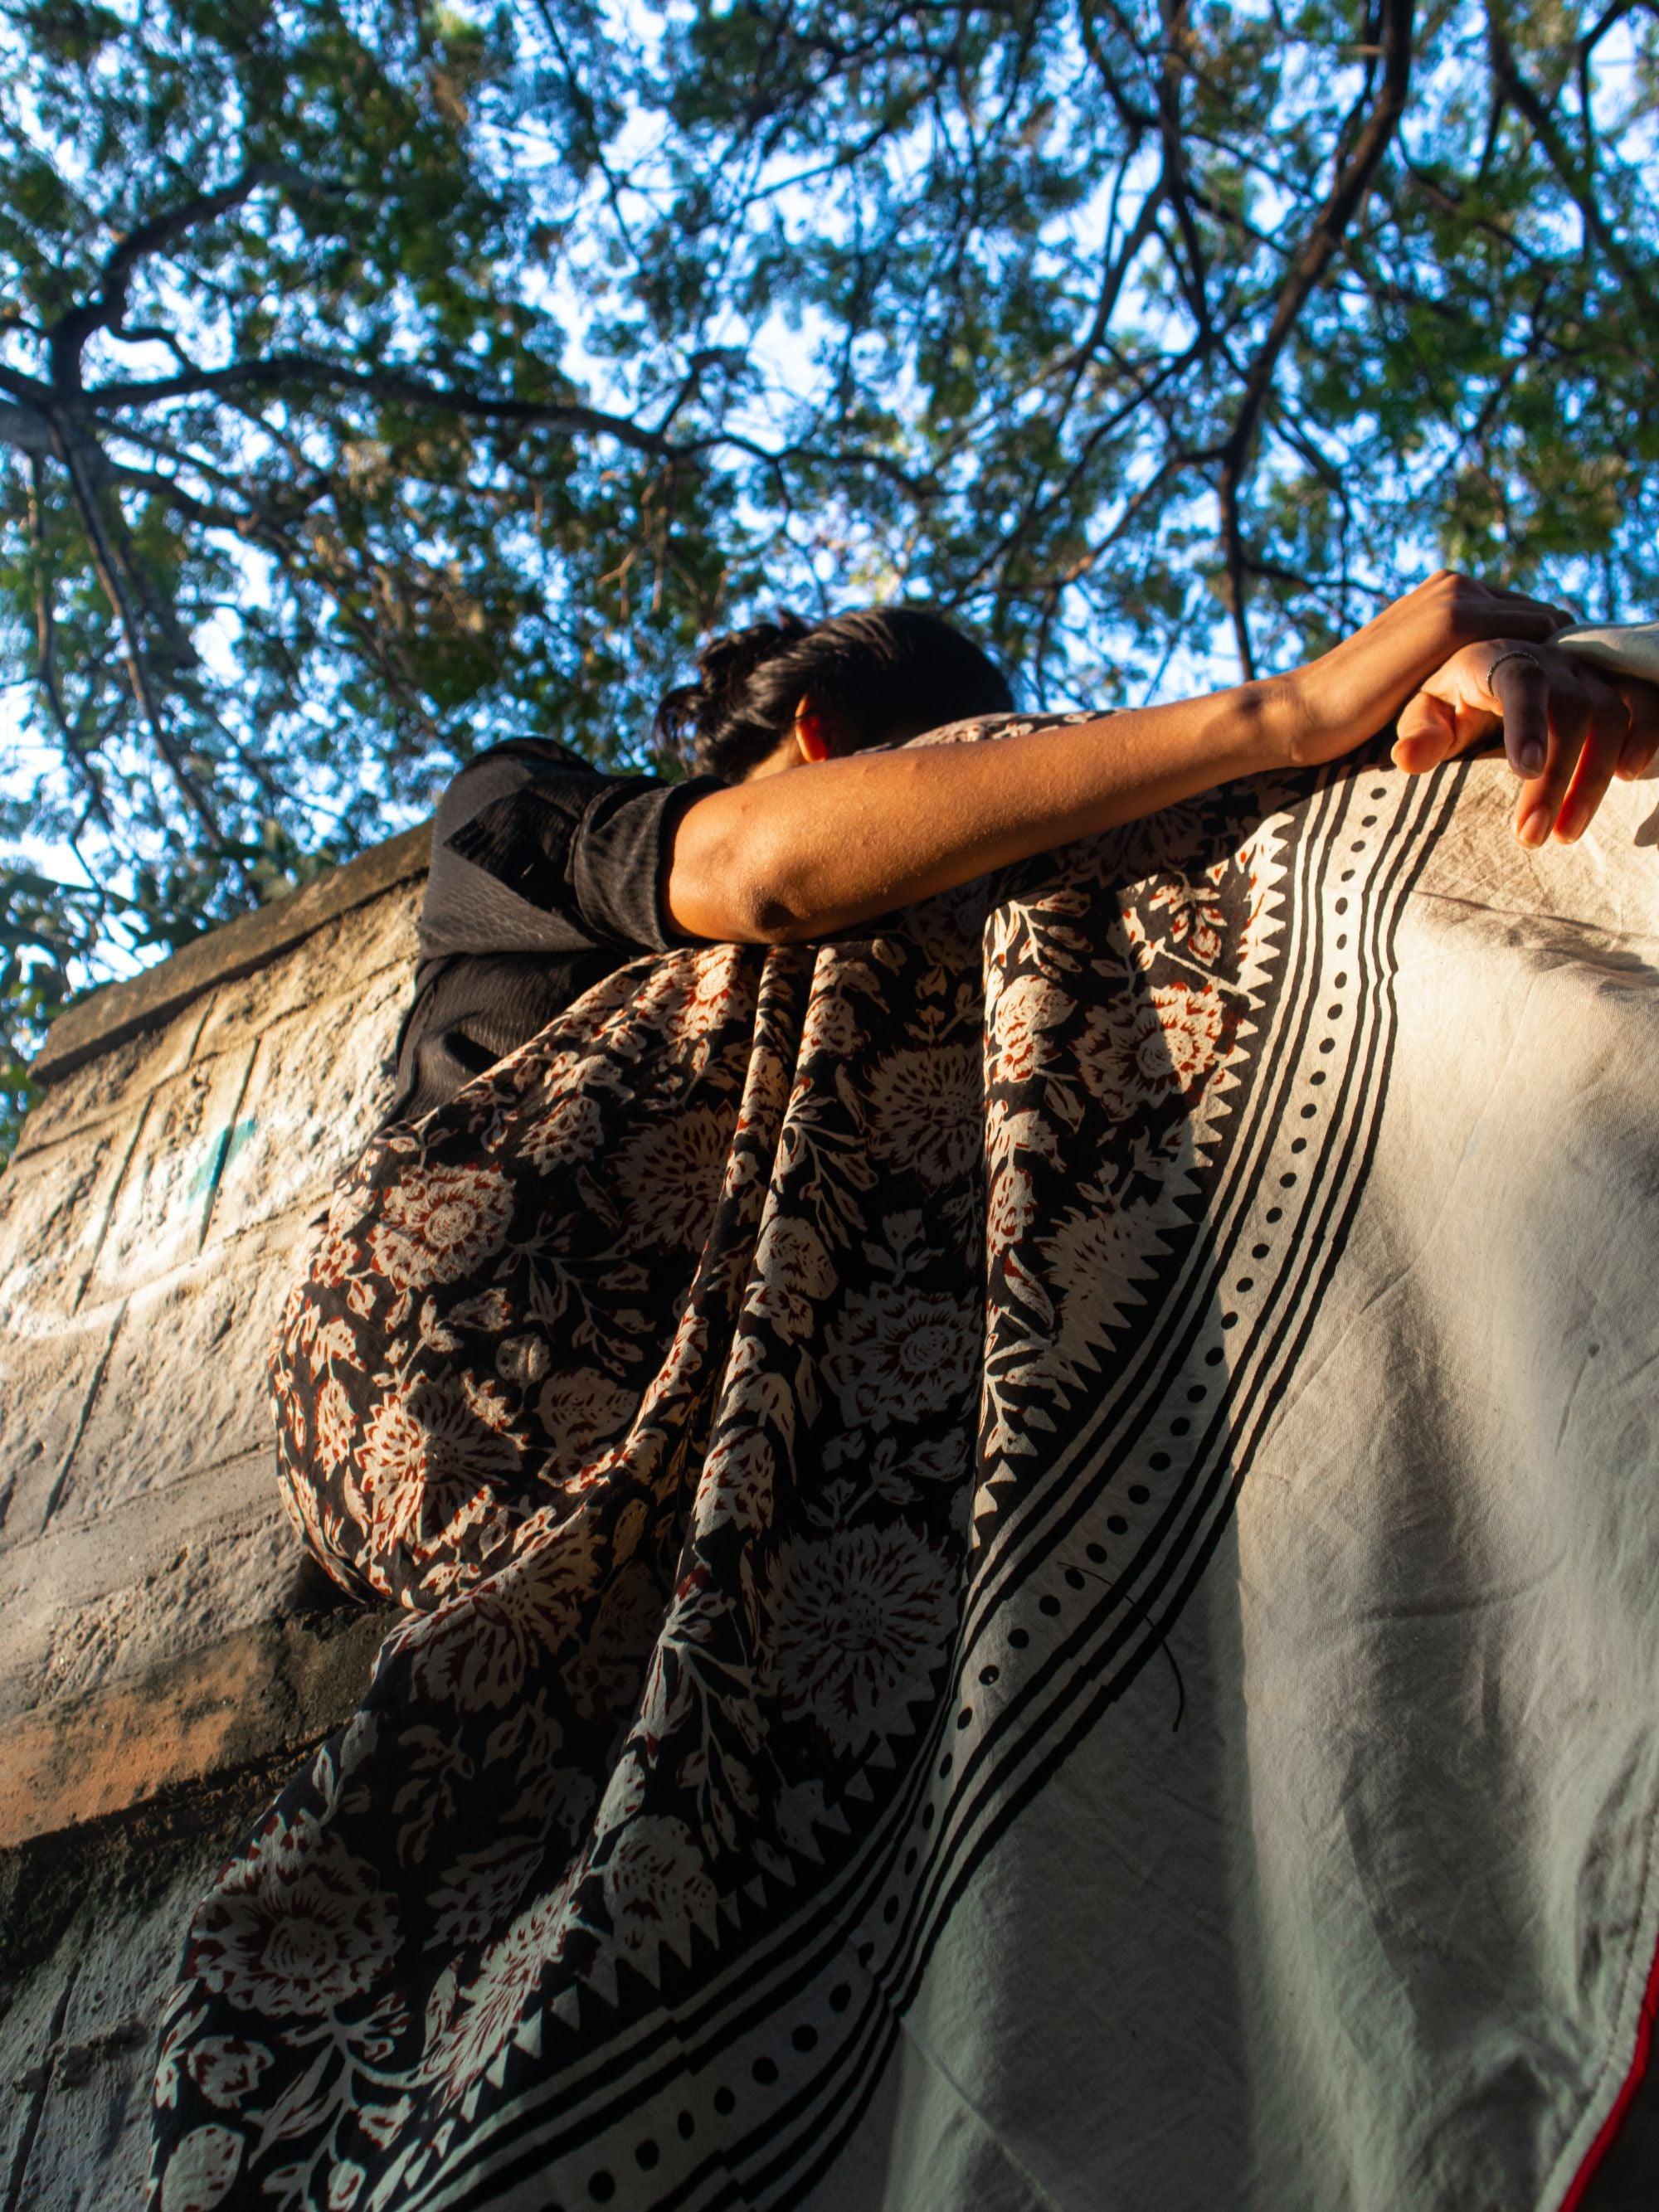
(164, 1652)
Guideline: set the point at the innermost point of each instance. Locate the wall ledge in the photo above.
(262, 1691)
(108, 1016)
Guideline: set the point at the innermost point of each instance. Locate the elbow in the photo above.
(776, 923)
(770, 915)
(725, 891)
(734, 880)
(766, 904)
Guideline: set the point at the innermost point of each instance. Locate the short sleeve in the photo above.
(619, 857)
(559, 855)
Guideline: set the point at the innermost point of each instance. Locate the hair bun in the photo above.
(689, 715)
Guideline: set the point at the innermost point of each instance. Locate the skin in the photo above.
(780, 857)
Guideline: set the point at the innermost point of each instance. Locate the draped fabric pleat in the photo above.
(850, 1741)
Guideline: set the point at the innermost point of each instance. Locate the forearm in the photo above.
(807, 853)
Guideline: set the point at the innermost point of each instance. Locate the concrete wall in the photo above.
(165, 1654)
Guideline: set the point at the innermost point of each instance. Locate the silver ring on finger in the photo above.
(1523, 652)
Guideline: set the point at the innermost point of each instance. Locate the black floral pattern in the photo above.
(671, 1379)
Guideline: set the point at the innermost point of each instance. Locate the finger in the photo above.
(1563, 617)
(1479, 611)
(1569, 716)
(1477, 728)
(1525, 621)
(1604, 744)
(1425, 733)
(1642, 739)
(1521, 685)
(1504, 595)
(1473, 728)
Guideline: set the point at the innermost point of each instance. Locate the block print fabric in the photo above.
(1001, 1608)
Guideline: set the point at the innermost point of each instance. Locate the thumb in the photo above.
(1425, 732)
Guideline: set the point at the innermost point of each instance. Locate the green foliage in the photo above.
(377, 378)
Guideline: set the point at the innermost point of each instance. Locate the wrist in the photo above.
(1312, 718)
(1277, 723)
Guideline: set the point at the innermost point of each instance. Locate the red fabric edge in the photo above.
(1615, 2119)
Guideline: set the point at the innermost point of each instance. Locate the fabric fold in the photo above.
(880, 1448)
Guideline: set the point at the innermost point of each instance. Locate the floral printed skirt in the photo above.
(787, 1398)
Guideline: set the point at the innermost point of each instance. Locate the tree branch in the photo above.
(1572, 172)
(107, 562)
(24, 429)
(1194, 278)
(48, 675)
(67, 337)
(1308, 266)
(299, 372)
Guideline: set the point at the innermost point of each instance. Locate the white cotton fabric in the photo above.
(1361, 1915)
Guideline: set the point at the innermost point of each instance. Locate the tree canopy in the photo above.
(378, 379)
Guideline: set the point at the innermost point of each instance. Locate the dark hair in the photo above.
(880, 669)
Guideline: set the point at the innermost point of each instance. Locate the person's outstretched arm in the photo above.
(801, 855)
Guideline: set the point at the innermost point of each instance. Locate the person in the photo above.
(791, 1400)
(548, 875)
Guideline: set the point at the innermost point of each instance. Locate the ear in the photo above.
(812, 731)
